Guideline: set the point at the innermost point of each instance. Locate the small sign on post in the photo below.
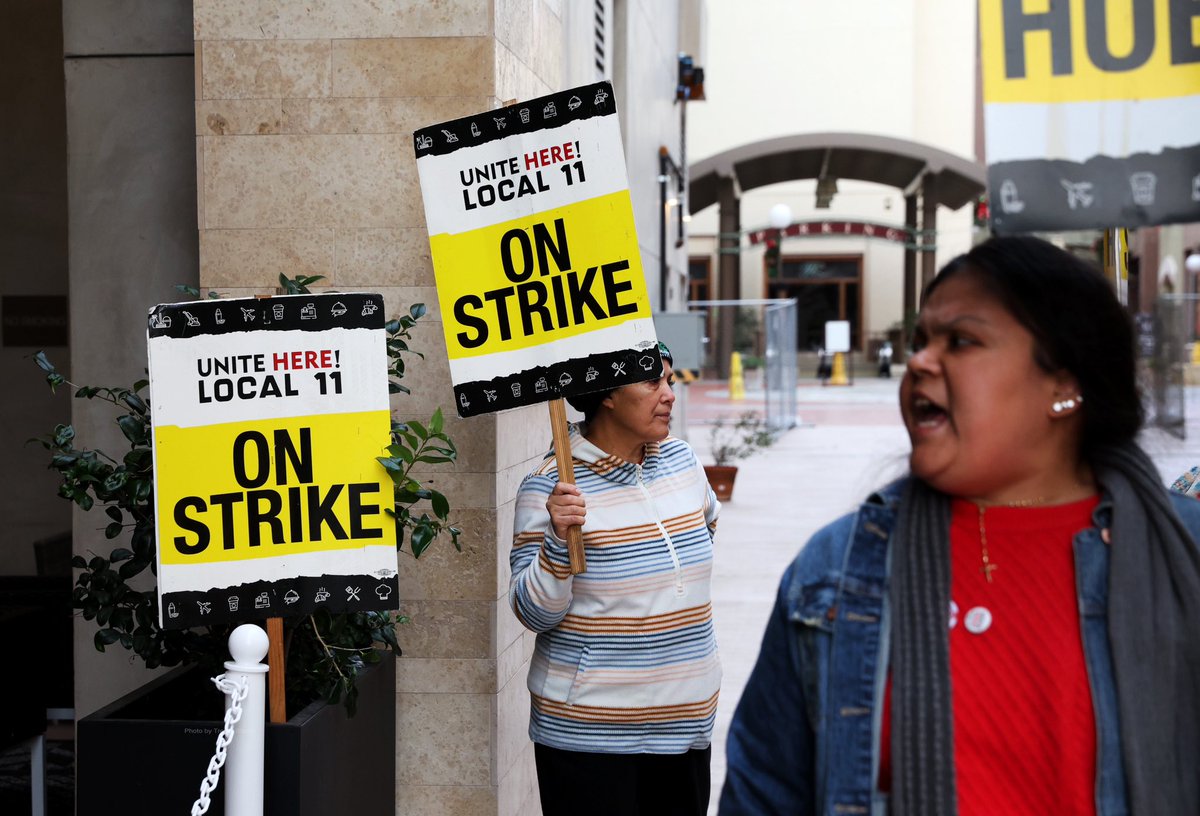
(837, 343)
(536, 257)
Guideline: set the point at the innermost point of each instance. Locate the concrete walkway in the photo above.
(849, 441)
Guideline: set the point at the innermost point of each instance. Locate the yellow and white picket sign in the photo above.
(1092, 113)
(268, 415)
(534, 249)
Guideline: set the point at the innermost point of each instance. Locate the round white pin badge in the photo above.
(978, 620)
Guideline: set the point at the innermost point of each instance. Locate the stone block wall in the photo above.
(304, 120)
(131, 202)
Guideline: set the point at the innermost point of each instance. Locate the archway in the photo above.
(927, 176)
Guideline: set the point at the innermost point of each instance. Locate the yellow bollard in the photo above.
(838, 377)
(737, 383)
(1196, 353)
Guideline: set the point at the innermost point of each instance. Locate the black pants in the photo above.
(577, 783)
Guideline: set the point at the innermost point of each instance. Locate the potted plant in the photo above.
(730, 440)
(330, 658)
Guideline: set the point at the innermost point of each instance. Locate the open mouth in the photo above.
(926, 413)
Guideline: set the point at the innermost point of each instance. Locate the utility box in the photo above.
(683, 332)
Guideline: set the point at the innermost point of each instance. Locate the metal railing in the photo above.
(244, 684)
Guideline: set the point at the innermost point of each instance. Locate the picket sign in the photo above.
(536, 258)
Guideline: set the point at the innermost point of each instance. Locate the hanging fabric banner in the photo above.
(1092, 113)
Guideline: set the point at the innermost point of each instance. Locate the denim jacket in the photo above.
(805, 736)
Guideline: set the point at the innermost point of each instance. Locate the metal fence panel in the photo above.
(780, 365)
(764, 334)
(1162, 370)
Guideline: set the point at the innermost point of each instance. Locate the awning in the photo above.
(881, 159)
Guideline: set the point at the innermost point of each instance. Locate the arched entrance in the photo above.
(927, 176)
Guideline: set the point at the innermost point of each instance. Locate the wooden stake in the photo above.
(275, 675)
(566, 473)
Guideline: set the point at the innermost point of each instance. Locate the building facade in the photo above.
(861, 70)
(219, 144)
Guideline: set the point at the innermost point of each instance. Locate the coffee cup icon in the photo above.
(1142, 185)
(278, 310)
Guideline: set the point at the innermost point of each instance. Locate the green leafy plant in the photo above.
(325, 651)
(734, 439)
(747, 329)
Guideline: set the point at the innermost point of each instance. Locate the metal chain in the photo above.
(236, 693)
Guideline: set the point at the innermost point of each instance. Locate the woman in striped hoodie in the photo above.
(624, 676)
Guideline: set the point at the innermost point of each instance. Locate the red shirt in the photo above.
(1024, 726)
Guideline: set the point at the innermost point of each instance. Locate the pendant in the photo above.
(978, 620)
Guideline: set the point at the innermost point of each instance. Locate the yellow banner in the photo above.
(272, 487)
(557, 274)
(1045, 52)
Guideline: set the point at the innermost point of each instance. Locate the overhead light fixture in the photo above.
(826, 189)
(780, 216)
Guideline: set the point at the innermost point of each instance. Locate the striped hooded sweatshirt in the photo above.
(626, 659)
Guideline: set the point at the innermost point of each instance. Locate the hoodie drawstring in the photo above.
(680, 591)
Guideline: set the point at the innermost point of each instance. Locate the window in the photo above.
(699, 270)
(823, 269)
(825, 288)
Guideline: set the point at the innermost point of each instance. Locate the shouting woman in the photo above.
(1015, 627)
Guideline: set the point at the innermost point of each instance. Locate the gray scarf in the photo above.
(1153, 629)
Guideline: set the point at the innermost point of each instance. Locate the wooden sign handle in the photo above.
(566, 473)
(275, 671)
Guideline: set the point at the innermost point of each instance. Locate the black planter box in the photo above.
(132, 761)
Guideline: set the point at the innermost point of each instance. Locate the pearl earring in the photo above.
(1067, 404)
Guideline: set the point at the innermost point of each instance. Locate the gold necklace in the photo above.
(988, 567)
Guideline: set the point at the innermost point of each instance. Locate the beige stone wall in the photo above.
(304, 120)
(131, 237)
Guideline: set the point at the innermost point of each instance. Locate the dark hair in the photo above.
(1077, 323)
(589, 404)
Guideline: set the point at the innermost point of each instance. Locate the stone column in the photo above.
(304, 120)
(928, 229)
(910, 272)
(729, 270)
(131, 235)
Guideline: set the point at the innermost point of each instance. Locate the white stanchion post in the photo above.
(244, 766)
